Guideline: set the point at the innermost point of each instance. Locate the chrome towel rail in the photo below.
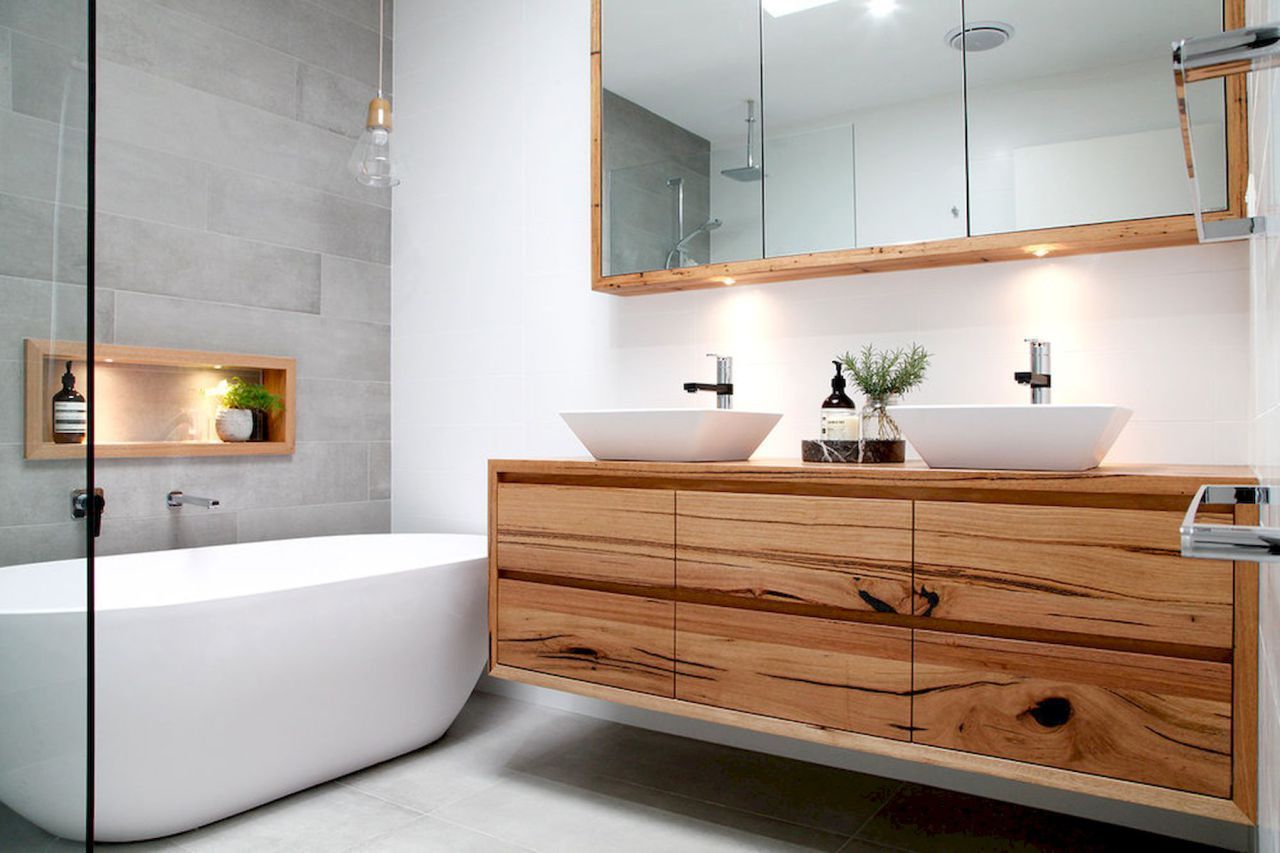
(1209, 58)
(1228, 541)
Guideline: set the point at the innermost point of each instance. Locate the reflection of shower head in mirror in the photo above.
(745, 174)
(752, 171)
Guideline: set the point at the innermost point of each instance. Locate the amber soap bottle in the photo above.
(70, 412)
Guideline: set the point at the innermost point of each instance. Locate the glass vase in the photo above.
(881, 438)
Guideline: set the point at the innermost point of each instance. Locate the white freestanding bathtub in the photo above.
(232, 675)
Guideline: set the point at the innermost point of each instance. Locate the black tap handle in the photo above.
(90, 506)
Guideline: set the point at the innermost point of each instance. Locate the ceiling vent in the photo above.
(980, 36)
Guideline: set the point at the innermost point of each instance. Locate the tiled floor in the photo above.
(515, 777)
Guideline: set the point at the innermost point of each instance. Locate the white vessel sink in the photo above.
(671, 435)
(1037, 438)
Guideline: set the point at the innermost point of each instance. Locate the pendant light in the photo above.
(371, 161)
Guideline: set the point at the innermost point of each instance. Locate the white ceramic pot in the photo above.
(235, 424)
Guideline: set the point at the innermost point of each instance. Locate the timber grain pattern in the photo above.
(1028, 625)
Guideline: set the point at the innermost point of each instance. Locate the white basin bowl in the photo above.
(671, 435)
(1023, 437)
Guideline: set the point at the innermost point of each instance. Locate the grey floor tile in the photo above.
(794, 791)
(490, 737)
(920, 818)
(327, 818)
(553, 817)
(429, 835)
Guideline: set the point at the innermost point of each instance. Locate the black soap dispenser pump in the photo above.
(839, 420)
(70, 412)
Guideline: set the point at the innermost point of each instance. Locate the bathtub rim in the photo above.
(480, 541)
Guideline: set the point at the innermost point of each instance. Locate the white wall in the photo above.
(496, 329)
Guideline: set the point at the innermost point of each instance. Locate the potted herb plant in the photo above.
(884, 376)
(245, 407)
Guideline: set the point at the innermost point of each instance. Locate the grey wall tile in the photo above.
(332, 101)
(11, 412)
(39, 309)
(152, 112)
(64, 22)
(249, 206)
(46, 487)
(155, 258)
(298, 28)
(355, 290)
(149, 184)
(343, 410)
(362, 12)
(39, 543)
(179, 529)
(42, 72)
(26, 237)
(183, 49)
(39, 161)
(380, 470)
(323, 520)
(325, 348)
(6, 72)
(41, 240)
(318, 473)
(199, 86)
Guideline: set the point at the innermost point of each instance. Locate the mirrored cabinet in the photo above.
(756, 140)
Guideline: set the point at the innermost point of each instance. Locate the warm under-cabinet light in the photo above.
(1039, 251)
(781, 8)
(728, 280)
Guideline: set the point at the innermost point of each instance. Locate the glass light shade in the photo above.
(371, 161)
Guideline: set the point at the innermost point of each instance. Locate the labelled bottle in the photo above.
(839, 421)
(70, 412)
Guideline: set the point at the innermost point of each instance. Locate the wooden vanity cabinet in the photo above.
(1038, 627)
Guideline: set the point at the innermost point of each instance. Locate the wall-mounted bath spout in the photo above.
(175, 500)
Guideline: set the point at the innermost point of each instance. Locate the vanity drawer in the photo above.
(840, 675)
(618, 535)
(1101, 572)
(1144, 718)
(621, 641)
(839, 552)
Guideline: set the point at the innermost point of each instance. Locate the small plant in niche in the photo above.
(883, 377)
(245, 407)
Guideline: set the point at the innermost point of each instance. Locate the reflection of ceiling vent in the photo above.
(980, 35)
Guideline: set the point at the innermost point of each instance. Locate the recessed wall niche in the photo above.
(153, 402)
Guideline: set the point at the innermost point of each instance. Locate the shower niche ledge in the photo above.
(152, 402)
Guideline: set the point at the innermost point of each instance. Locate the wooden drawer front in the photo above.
(840, 675)
(620, 640)
(621, 535)
(1144, 718)
(1109, 572)
(839, 552)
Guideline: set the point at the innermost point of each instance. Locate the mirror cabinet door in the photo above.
(680, 184)
(1072, 117)
(864, 124)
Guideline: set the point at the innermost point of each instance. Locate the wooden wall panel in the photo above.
(840, 675)
(1144, 718)
(839, 552)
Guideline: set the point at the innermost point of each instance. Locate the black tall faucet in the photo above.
(724, 382)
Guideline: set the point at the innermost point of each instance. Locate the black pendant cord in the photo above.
(90, 333)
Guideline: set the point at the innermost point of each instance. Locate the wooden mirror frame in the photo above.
(1114, 236)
